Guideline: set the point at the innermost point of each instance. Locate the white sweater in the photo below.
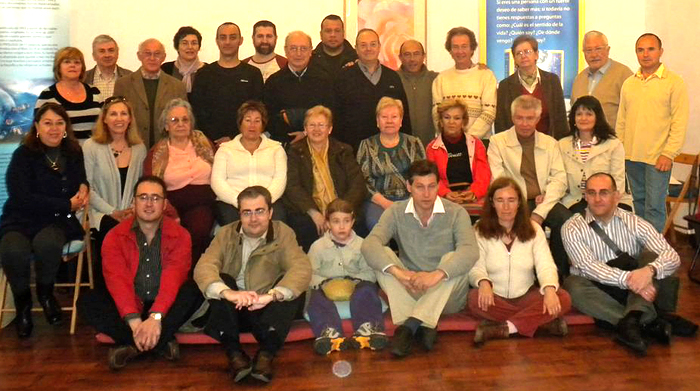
(513, 272)
(235, 169)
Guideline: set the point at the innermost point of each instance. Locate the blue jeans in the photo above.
(649, 190)
(372, 214)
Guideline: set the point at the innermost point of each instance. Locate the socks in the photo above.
(511, 327)
(413, 324)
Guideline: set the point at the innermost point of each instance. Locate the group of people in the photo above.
(228, 197)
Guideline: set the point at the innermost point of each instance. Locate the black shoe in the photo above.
(23, 319)
(52, 310)
(680, 326)
(629, 333)
(427, 337)
(170, 351)
(239, 365)
(262, 366)
(658, 330)
(119, 356)
(401, 342)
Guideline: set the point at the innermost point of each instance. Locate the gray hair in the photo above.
(594, 34)
(177, 102)
(103, 38)
(149, 40)
(526, 102)
(298, 32)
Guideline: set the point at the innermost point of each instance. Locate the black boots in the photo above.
(23, 320)
(52, 310)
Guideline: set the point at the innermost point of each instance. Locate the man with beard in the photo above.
(264, 41)
(334, 52)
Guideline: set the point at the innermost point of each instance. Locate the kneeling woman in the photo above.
(513, 253)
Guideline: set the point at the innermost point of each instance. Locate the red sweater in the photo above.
(120, 262)
(481, 173)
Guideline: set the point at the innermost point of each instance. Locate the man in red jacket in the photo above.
(145, 261)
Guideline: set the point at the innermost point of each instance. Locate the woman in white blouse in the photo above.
(513, 256)
(249, 159)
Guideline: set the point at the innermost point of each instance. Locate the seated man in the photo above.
(533, 159)
(254, 274)
(437, 247)
(145, 261)
(608, 283)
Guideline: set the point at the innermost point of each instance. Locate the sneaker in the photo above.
(329, 341)
(370, 337)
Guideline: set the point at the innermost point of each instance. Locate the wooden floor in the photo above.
(587, 359)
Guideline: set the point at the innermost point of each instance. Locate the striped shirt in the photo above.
(83, 115)
(589, 254)
(583, 151)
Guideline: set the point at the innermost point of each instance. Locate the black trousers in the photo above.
(99, 309)
(16, 250)
(269, 325)
(106, 224)
(556, 217)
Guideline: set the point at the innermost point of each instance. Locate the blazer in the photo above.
(89, 77)
(510, 88)
(345, 172)
(131, 87)
(105, 182)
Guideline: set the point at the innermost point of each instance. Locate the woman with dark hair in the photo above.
(78, 99)
(187, 41)
(590, 148)
(249, 159)
(513, 258)
(46, 186)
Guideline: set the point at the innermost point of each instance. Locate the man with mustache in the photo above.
(264, 41)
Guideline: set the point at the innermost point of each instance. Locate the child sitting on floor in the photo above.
(341, 273)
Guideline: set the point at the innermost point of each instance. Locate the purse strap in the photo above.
(606, 239)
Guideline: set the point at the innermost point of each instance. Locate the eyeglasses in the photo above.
(298, 49)
(115, 99)
(257, 212)
(152, 54)
(154, 198)
(175, 120)
(523, 53)
(596, 50)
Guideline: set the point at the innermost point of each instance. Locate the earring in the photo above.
(65, 134)
(37, 134)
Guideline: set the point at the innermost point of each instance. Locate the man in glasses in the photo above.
(105, 52)
(294, 89)
(254, 275)
(264, 42)
(145, 260)
(616, 286)
(603, 77)
(148, 89)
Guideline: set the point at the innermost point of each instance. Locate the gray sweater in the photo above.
(421, 249)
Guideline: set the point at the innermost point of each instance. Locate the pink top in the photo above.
(185, 168)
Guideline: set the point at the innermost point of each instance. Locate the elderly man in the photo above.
(333, 52)
(294, 89)
(608, 281)
(417, 83)
(533, 159)
(254, 275)
(148, 89)
(145, 260)
(105, 52)
(468, 82)
(358, 90)
(264, 42)
(437, 247)
(651, 123)
(221, 87)
(604, 76)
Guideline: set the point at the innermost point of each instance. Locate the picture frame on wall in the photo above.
(394, 20)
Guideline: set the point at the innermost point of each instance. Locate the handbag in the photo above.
(622, 260)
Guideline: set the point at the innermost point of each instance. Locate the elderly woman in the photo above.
(113, 163)
(385, 158)
(78, 98)
(183, 158)
(187, 42)
(592, 147)
(249, 159)
(513, 256)
(46, 185)
(320, 170)
(460, 157)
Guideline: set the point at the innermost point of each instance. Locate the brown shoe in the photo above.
(119, 356)
(171, 351)
(556, 327)
(239, 365)
(489, 329)
(262, 366)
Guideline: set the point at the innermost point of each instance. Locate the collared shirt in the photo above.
(437, 208)
(299, 75)
(372, 77)
(589, 254)
(659, 73)
(147, 279)
(149, 76)
(594, 77)
(104, 83)
(530, 88)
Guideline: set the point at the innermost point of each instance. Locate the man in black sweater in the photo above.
(294, 89)
(358, 89)
(221, 87)
(333, 52)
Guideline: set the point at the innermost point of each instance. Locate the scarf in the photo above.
(324, 189)
(187, 73)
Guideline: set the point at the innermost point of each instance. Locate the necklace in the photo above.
(54, 163)
(116, 153)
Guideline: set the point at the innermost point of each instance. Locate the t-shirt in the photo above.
(458, 168)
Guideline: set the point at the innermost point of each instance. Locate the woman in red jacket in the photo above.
(461, 158)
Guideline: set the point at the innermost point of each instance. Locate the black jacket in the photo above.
(333, 65)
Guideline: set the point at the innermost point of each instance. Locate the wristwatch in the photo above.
(276, 295)
(653, 270)
(156, 315)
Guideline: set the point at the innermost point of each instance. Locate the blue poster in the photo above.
(555, 25)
